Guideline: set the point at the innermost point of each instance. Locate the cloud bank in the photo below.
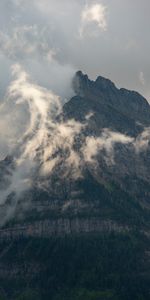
(42, 142)
(53, 39)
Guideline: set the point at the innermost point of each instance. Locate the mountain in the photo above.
(117, 110)
(82, 231)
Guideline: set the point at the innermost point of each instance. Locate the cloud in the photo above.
(106, 141)
(40, 105)
(44, 36)
(142, 141)
(94, 13)
(26, 41)
(142, 78)
(44, 142)
(43, 131)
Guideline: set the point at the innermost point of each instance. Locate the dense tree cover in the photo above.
(108, 266)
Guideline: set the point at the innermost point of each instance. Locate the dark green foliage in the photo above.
(28, 295)
(83, 294)
(85, 268)
(2, 297)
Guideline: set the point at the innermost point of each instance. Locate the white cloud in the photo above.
(108, 139)
(45, 142)
(142, 78)
(105, 142)
(142, 141)
(26, 41)
(96, 14)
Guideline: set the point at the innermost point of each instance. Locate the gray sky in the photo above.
(54, 38)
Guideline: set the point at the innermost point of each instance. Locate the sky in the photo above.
(52, 39)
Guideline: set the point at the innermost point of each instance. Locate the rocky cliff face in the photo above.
(61, 227)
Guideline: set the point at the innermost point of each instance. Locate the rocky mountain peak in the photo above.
(82, 83)
(104, 83)
(103, 91)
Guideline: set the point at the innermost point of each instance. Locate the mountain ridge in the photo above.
(141, 106)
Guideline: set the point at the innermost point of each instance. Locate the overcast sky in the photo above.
(54, 38)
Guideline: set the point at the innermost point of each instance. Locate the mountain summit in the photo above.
(84, 82)
(127, 102)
